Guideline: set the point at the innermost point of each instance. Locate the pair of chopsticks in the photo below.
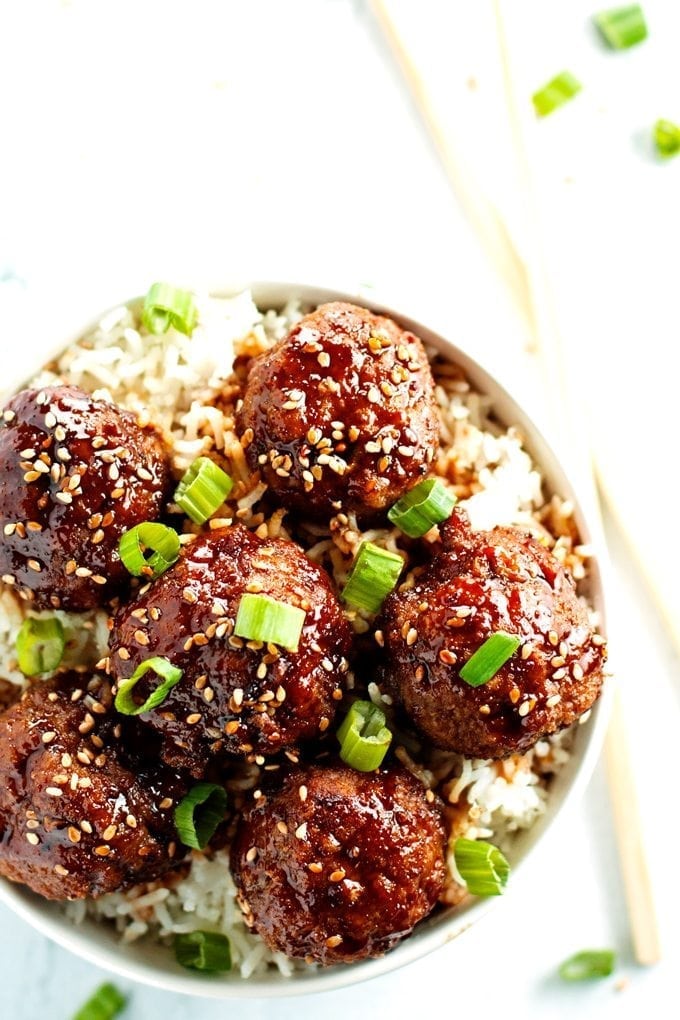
(523, 269)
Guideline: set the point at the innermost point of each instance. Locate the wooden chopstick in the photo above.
(485, 218)
(527, 273)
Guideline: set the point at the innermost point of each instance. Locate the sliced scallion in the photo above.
(105, 1004)
(622, 27)
(373, 576)
(202, 489)
(149, 538)
(482, 867)
(169, 674)
(260, 618)
(199, 813)
(363, 736)
(166, 306)
(426, 504)
(203, 950)
(588, 964)
(667, 138)
(40, 645)
(560, 90)
(489, 657)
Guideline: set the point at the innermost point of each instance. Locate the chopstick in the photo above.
(486, 219)
(534, 296)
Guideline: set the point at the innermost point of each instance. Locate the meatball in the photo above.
(235, 695)
(339, 865)
(75, 473)
(340, 415)
(481, 583)
(80, 813)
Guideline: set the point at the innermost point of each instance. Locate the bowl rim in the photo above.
(443, 929)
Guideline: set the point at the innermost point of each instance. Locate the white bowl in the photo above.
(155, 965)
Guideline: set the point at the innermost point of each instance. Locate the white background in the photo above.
(221, 141)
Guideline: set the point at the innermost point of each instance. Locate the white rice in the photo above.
(182, 384)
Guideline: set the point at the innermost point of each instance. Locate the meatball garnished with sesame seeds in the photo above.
(235, 695)
(339, 865)
(81, 814)
(480, 584)
(340, 414)
(75, 473)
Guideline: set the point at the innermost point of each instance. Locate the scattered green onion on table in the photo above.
(373, 576)
(556, 93)
(364, 737)
(104, 1004)
(260, 618)
(162, 542)
(622, 27)
(169, 674)
(166, 306)
(202, 489)
(667, 138)
(588, 964)
(40, 645)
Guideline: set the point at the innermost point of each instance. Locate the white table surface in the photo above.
(220, 141)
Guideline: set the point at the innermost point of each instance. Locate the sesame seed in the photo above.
(448, 657)
(333, 941)
(41, 467)
(102, 851)
(83, 572)
(324, 359)
(337, 875)
(301, 831)
(324, 723)
(131, 822)
(84, 783)
(559, 674)
(50, 420)
(373, 395)
(61, 870)
(166, 803)
(53, 791)
(411, 636)
(515, 695)
(9, 529)
(109, 832)
(34, 565)
(9, 579)
(98, 536)
(577, 671)
(64, 497)
(194, 718)
(598, 640)
(524, 708)
(252, 854)
(302, 793)
(123, 654)
(141, 638)
(553, 700)
(208, 694)
(32, 838)
(48, 737)
(282, 827)
(553, 638)
(315, 867)
(190, 596)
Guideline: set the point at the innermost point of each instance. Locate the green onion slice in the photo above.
(560, 90)
(203, 950)
(667, 138)
(373, 576)
(588, 964)
(170, 675)
(202, 489)
(105, 1004)
(40, 645)
(166, 306)
(363, 736)
(489, 657)
(426, 504)
(482, 867)
(260, 618)
(622, 27)
(199, 813)
(158, 540)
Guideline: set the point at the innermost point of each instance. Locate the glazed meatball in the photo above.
(481, 583)
(75, 473)
(339, 865)
(340, 415)
(235, 695)
(80, 813)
